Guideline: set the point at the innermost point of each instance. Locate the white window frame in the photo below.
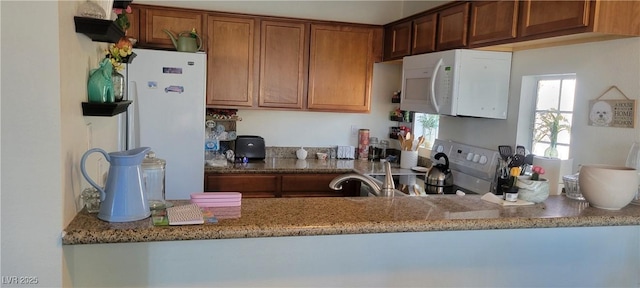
(562, 78)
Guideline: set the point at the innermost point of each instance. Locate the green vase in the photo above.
(99, 86)
(551, 152)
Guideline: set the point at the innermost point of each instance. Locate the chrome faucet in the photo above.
(387, 189)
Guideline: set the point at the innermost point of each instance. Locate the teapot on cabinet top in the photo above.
(187, 41)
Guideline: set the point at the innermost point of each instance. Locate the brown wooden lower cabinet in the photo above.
(279, 185)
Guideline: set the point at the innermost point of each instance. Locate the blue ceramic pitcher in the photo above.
(122, 198)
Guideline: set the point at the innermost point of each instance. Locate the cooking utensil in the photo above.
(528, 159)
(420, 141)
(517, 160)
(520, 150)
(505, 151)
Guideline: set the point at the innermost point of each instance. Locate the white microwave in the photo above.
(457, 83)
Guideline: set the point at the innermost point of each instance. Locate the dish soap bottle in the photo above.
(301, 153)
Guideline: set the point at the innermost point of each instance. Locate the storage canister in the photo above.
(363, 144)
(153, 174)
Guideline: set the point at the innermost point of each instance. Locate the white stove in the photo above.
(473, 168)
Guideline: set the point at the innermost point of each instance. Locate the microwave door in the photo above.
(417, 91)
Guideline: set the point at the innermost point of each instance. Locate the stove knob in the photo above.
(469, 156)
(476, 158)
(483, 159)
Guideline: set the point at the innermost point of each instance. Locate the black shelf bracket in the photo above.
(99, 30)
(104, 109)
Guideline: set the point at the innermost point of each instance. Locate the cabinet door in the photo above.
(452, 27)
(249, 185)
(283, 64)
(231, 61)
(397, 39)
(424, 34)
(493, 21)
(538, 17)
(134, 20)
(340, 68)
(174, 20)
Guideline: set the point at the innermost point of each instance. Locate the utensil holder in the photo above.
(408, 159)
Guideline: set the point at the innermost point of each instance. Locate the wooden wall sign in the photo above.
(612, 113)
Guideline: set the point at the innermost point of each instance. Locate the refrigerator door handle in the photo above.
(133, 123)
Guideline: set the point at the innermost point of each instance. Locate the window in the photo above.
(553, 115)
(426, 125)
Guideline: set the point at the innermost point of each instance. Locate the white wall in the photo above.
(323, 129)
(31, 142)
(547, 257)
(597, 65)
(44, 133)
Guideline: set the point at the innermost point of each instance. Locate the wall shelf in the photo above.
(121, 3)
(104, 109)
(99, 30)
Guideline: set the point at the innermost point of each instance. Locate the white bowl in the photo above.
(321, 156)
(608, 187)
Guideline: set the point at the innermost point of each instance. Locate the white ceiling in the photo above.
(360, 11)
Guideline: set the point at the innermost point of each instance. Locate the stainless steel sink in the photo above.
(385, 188)
(367, 191)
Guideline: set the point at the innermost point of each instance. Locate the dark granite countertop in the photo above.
(275, 217)
(269, 217)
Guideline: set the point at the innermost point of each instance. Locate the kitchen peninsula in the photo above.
(367, 241)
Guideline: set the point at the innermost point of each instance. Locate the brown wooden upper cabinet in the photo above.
(428, 32)
(493, 21)
(453, 27)
(554, 18)
(424, 34)
(232, 61)
(340, 68)
(134, 20)
(154, 19)
(397, 40)
(283, 64)
(544, 17)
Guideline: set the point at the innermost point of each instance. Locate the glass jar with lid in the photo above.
(373, 149)
(153, 175)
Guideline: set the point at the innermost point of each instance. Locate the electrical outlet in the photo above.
(354, 130)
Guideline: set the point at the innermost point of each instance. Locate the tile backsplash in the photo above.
(290, 152)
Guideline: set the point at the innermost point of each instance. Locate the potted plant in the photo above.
(119, 53)
(548, 125)
(533, 188)
(429, 123)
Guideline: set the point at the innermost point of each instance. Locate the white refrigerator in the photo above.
(168, 114)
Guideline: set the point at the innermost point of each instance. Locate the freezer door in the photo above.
(168, 114)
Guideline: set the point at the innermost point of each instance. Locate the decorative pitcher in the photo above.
(186, 41)
(123, 198)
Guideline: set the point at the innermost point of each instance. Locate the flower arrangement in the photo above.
(537, 171)
(547, 127)
(122, 20)
(118, 52)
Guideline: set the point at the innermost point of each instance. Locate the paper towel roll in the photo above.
(554, 170)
